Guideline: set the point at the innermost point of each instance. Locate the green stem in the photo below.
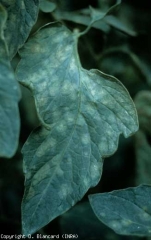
(85, 31)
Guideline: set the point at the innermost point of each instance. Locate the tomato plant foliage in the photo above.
(22, 15)
(9, 97)
(133, 217)
(81, 112)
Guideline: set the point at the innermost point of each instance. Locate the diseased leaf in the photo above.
(82, 221)
(127, 212)
(82, 113)
(22, 15)
(9, 97)
(47, 6)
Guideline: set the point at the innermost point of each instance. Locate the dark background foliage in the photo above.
(127, 58)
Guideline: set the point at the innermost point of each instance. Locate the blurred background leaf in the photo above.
(22, 15)
(9, 97)
(126, 211)
(82, 221)
(143, 138)
(47, 6)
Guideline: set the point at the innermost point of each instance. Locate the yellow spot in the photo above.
(103, 146)
(64, 191)
(85, 138)
(103, 214)
(43, 149)
(126, 222)
(41, 175)
(114, 224)
(61, 127)
(42, 85)
(86, 182)
(53, 89)
(72, 66)
(65, 88)
(145, 215)
(70, 118)
(36, 48)
(42, 101)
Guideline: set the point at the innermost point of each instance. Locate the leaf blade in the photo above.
(47, 6)
(9, 97)
(142, 138)
(127, 211)
(72, 104)
(22, 17)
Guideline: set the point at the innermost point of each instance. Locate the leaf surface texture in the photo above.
(9, 97)
(82, 115)
(127, 212)
(22, 15)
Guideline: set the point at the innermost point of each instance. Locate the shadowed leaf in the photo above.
(9, 97)
(96, 18)
(127, 212)
(22, 15)
(119, 25)
(82, 113)
(143, 138)
(47, 6)
(97, 15)
(77, 17)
